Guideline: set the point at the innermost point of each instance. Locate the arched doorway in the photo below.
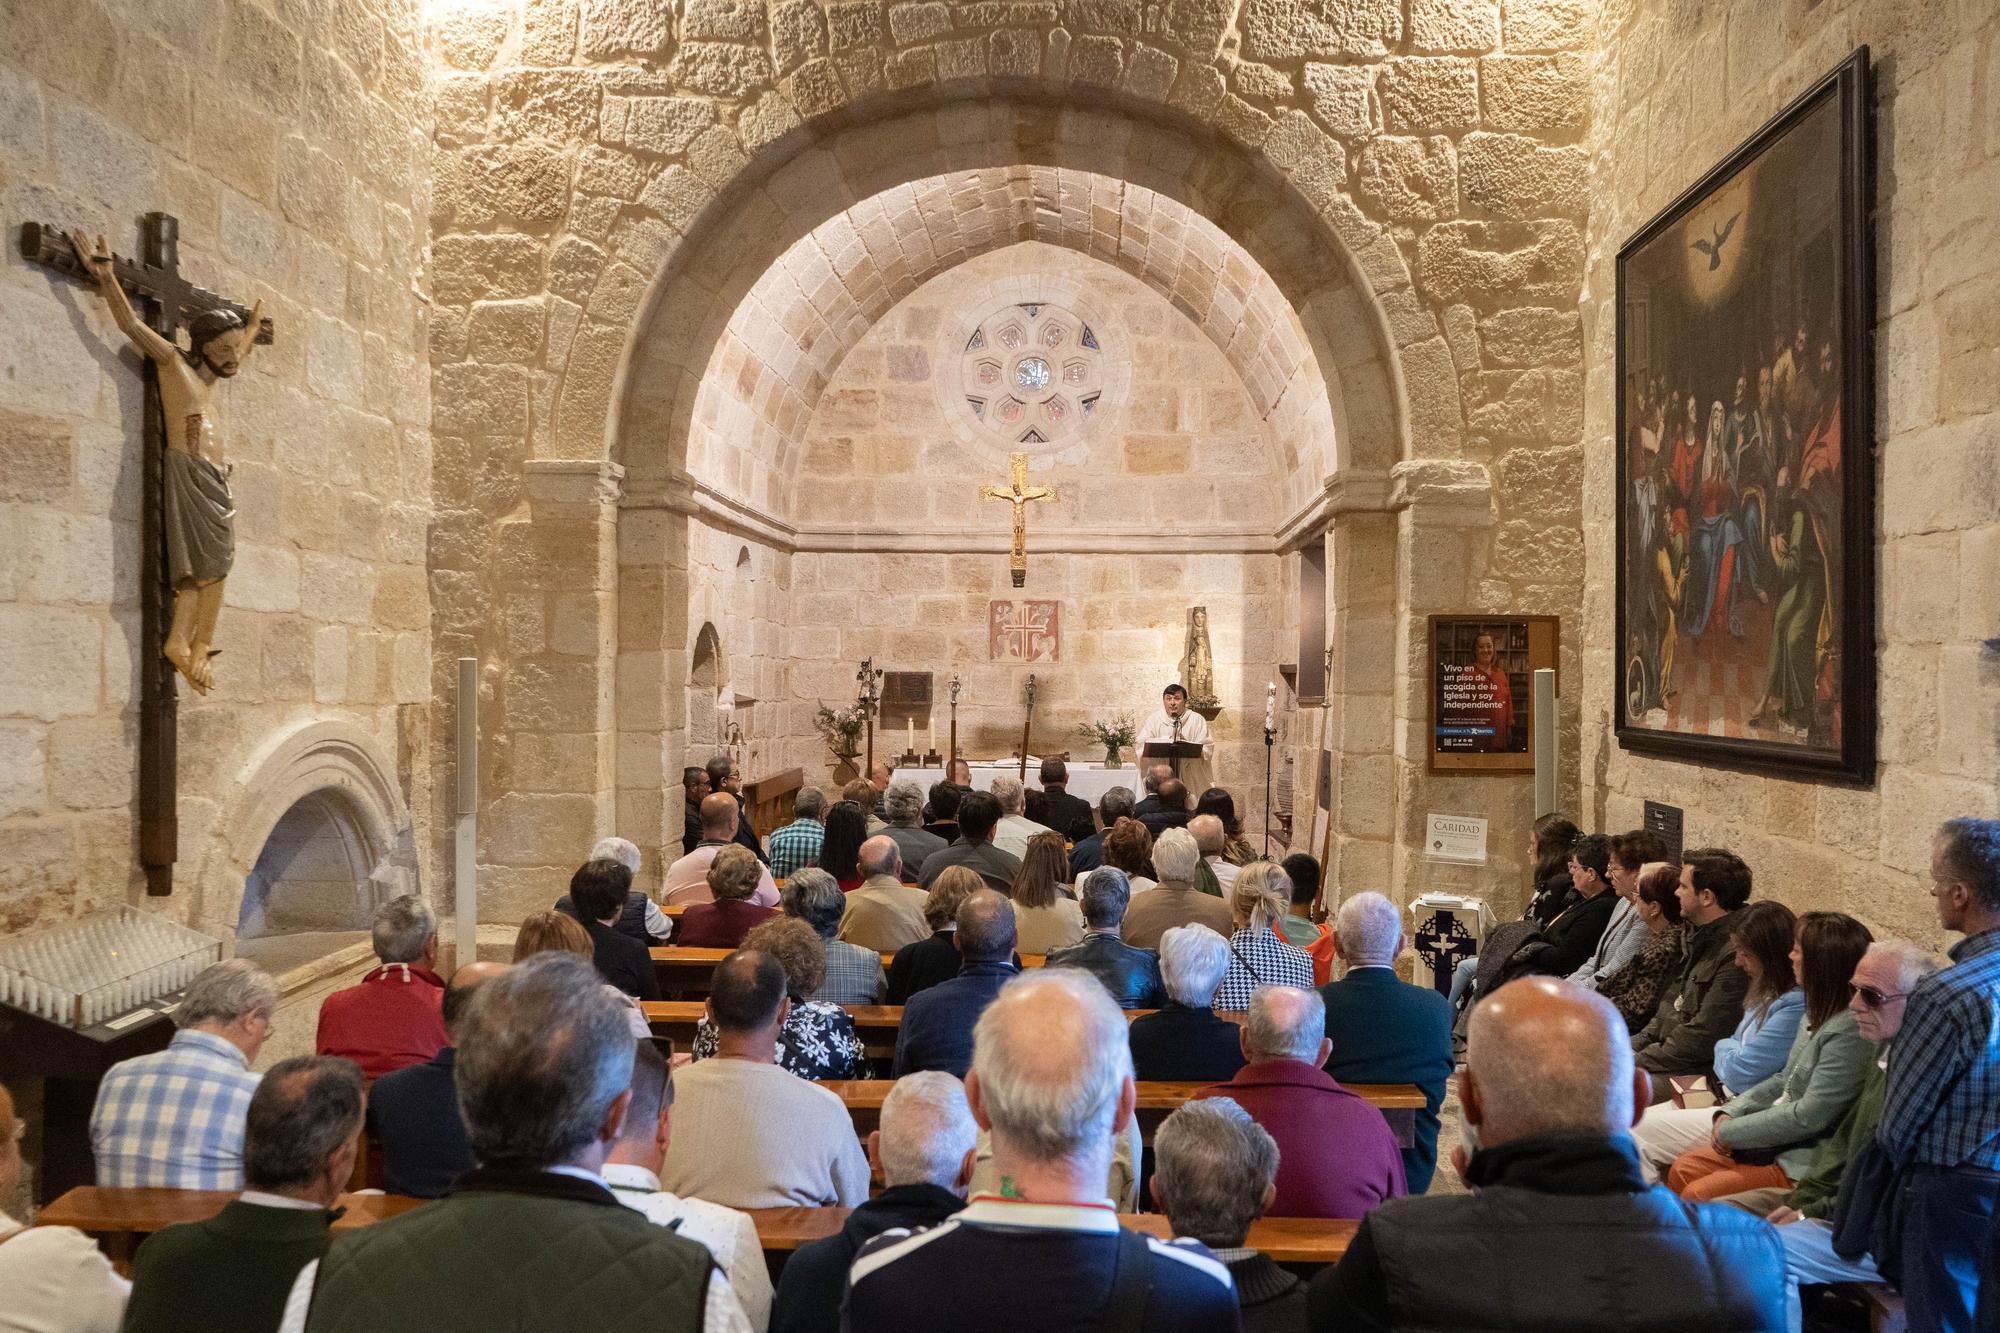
(312, 889)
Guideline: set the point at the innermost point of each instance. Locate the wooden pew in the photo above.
(121, 1218)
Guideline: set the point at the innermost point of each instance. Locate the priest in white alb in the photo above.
(1174, 721)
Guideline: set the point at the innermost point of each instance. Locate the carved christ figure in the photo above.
(200, 516)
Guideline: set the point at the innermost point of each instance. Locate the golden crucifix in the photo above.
(1020, 495)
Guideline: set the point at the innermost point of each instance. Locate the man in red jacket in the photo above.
(1336, 1154)
(395, 1017)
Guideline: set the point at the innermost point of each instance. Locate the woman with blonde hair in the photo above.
(1045, 917)
(559, 932)
(924, 964)
(1258, 954)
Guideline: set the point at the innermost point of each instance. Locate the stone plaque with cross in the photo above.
(1024, 631)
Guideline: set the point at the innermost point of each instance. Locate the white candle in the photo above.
(910, 730)
(932, 720)
(1271, 706)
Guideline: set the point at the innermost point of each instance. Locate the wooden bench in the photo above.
(121, 1218)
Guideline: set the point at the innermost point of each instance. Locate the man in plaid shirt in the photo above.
(174, 1119)
(854, 975)
(797, 844)
(1941, 1113)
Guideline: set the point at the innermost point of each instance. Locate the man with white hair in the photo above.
(174, 1119)
(1184, 1041)
(394, 1017)
(1052, 1080)
(1132, 976)
(1210, 837)
(1383, 1029)
(1821, 1206)
(1214, 1177)
(1339, 1157)
(903, 809)
(642, 918)
(924, 1150)
(1012, 833)
(1175, 901)
(1561, 1232)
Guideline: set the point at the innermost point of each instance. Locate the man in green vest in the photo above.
(532, 1237)
(231, 1273)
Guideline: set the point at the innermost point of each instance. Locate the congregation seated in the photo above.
(1216, 873)
(544, 1063)
(796, 845)
(1560, 1231)
(853, 973)
(1174, 901)
(840, 851)
(1184, 1041)
(1625, 934)
(924, 1150)
(1219, 804)
(686, 880)
(1087, 852)
(748, 1134)
(1704, 1004)
(174, 1119)
(936, 1031)
(1213, 1175)
(1819, 1198)
(978, 812)
(413, 1113)
(817, 1040)
(56, 1278)
(1636, 987)
(1783, 1116)
(941, 812)
(733, 879)
(1130, 976)
(1014, 829)
(1258, 955)
(1297, 927)
(1052, 1082)
(917, 967)
(1127, 846)
(883, 913)
(598, 889)
(632, 1170)
(233, 1272)
(393, 1016)
(1574, 933)
(559, 932)
(903, 810)
(642, 918)
(1169, 808)
(1338, 1157)
(1046, 916)
(1066, 814)
(1384, 1029)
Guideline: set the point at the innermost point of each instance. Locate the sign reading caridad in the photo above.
(1458, 838)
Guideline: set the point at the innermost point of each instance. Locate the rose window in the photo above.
(1033, 373)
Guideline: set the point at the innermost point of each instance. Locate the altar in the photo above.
(1086, 781)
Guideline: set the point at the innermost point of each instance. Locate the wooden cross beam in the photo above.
(165, 300)
(1021, 495)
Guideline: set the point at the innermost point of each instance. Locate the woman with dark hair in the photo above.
(1636, 987)
(1549, 843)
(1045, 917)
(1763, 1137)
(840, 849)
(1215, 801)
(1761, 933)
(1128, 846)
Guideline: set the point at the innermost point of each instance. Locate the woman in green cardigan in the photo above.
(1764, 1136)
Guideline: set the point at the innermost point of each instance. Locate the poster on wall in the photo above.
(1482, 696)
(1745, 570)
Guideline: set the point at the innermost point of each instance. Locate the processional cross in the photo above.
(185, 553)
(1020, 495)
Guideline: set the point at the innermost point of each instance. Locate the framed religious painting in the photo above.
(1745, 571)
(1482, 690)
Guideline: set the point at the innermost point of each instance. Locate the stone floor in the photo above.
(1450, 1120)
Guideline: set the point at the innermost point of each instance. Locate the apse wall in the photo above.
(1675, 88)
(290, 140)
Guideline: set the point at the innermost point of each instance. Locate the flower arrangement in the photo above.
(1114, 736)
(841, 731)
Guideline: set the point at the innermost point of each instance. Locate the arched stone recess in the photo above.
(332, 762)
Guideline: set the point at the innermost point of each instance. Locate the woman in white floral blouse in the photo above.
(818, 1040)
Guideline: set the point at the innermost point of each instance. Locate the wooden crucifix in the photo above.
(1020, 495)
(186, 529)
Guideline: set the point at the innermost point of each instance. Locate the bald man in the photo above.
(413, 1113)
(936, 1031)
(1561, 1232)
(687, 879)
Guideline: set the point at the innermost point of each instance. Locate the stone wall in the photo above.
(1675, 87)
(290, 139)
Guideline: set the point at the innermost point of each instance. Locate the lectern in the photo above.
(1171, 751)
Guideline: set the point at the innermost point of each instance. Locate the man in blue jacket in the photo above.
(936, 1031)
(1383, 1029)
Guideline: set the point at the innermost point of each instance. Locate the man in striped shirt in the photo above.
(174, 1119)
(1941, 1113)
